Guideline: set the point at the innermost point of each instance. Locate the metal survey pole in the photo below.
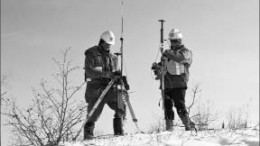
(163, 59)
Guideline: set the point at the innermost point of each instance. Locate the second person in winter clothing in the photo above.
(175, 72)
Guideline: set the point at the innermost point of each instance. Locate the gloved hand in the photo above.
(116, 75)
(159, 70)
(127, 87)
(168, 53)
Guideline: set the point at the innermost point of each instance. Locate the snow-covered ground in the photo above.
(179, 137)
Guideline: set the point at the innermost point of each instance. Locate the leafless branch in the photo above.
(54, 112)
(194, 93)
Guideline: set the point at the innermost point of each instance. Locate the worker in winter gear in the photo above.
(100, 68)
(178, 59)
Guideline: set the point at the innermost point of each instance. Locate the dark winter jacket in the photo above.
(98, 62)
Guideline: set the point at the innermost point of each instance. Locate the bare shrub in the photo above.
(206, 114)
(158, 125)
(3, 78)
(194, 93)
(3, 83)
(54, 112)
(237, 119)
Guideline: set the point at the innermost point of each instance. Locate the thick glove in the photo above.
(159, 70)
(116, 75)
(169, 54)
(121, 79)
(127, 87)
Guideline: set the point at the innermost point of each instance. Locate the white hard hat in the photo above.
(108, 37)
(175, 34)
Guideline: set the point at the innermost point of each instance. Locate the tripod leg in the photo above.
(131, 111)
(94, 107)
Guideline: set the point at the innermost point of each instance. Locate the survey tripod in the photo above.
(125, 96)
(124, 80)
(101, 97)
(94, 108)
(124, 85)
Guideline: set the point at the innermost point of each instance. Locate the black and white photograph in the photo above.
(129, 73)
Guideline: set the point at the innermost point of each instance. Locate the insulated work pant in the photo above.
(175, 97)
(115, 102)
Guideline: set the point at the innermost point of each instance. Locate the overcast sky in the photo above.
(223, 35)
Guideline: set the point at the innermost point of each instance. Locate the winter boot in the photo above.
(169, 125)
(192, 125)
(88, 130)
(118, 126)
(189, 125)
